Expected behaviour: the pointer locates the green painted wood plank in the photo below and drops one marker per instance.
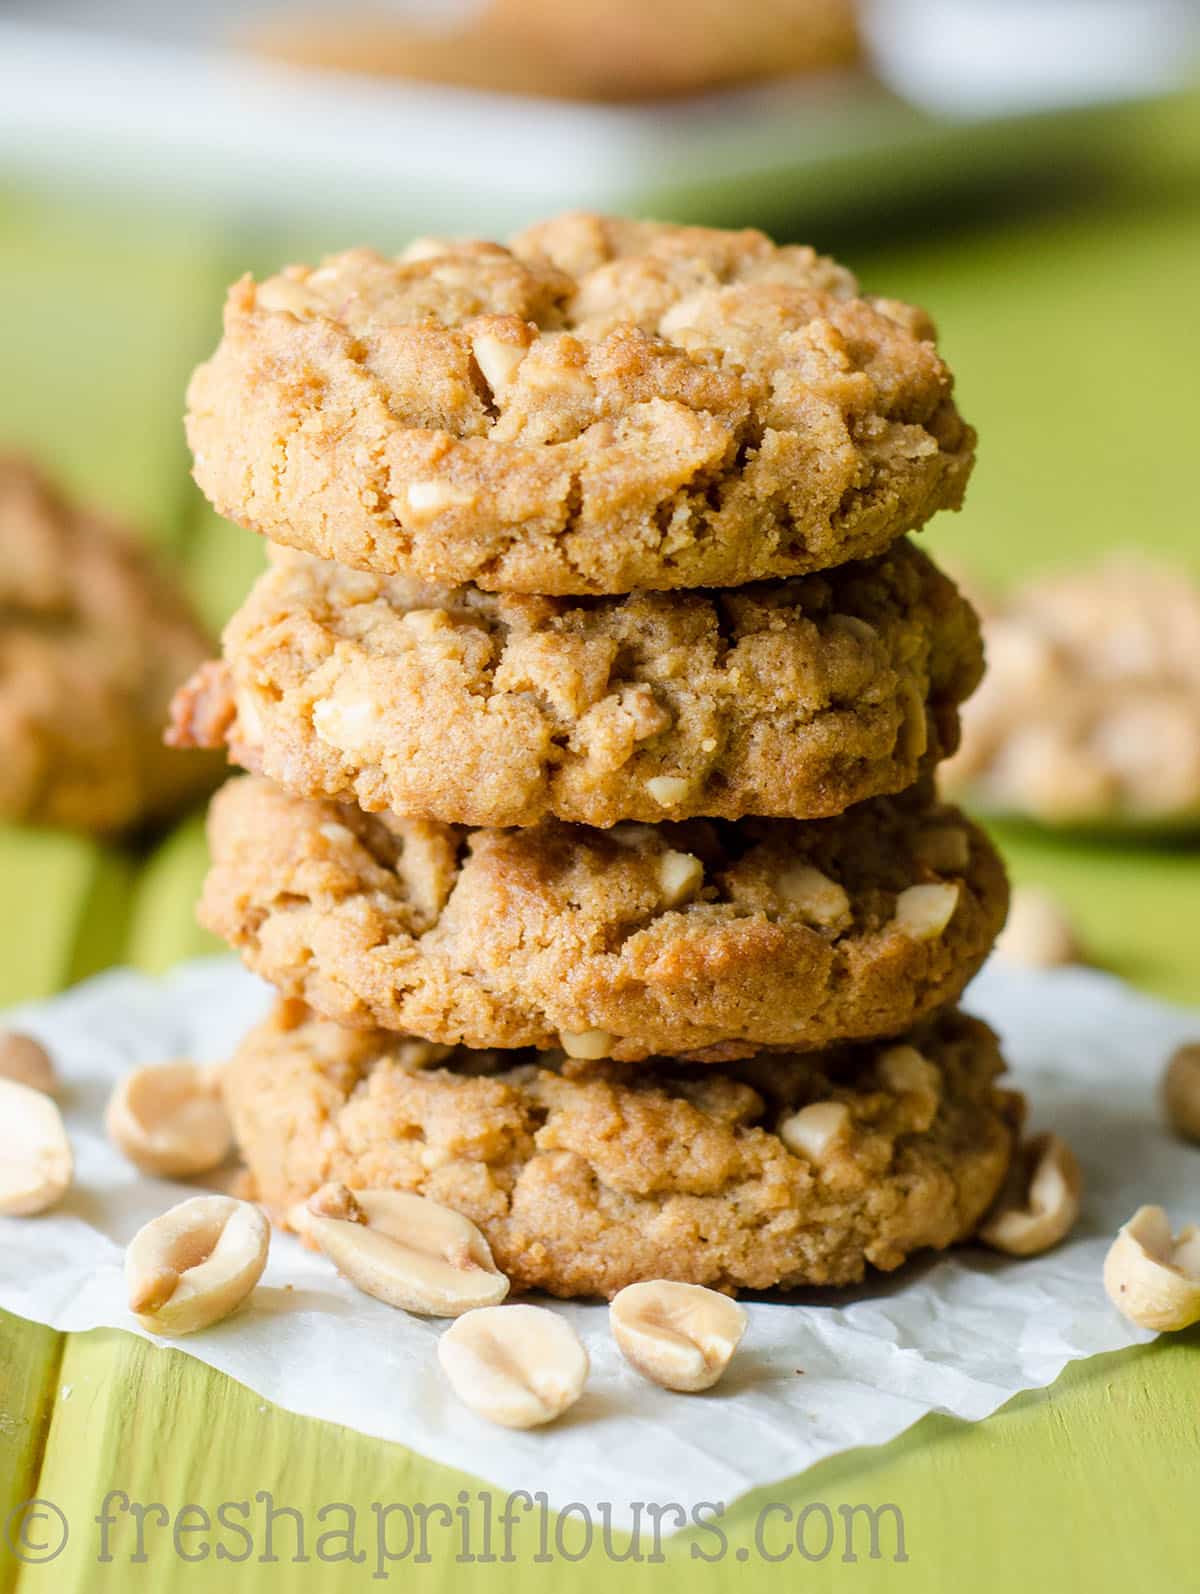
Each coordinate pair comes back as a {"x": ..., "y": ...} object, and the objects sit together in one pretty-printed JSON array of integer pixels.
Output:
[
  {"x": 162, "y": 925},
  {"x": 221, "y": 562},
  {"x": 1078, "y": 1487},
  {"x": 29, "y": 1360},
  {"x": 1029, "y": 1498},
  {"x": 107, "y": 310},
  {"x": 66, "y": 902},
  {"x": 1067, "y": 1488},
  {"x": 1076, "y": 342},
  {"x": 1129, "y": 902}
]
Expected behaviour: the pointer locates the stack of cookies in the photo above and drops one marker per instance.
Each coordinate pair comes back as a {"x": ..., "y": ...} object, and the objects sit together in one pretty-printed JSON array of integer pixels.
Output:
[{"x": 591, "y": 702}]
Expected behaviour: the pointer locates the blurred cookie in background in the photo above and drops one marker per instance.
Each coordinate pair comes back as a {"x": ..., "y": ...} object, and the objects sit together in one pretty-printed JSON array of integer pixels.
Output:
[
  {"x": 93, "y": 641},
  {"x": 578, "y": 50},
  {"x": 1089, "y": 713}
]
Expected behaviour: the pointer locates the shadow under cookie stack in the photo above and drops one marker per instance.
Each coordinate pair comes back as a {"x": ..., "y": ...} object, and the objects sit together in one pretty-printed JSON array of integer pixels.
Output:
[{"x": 591, "y": 701}]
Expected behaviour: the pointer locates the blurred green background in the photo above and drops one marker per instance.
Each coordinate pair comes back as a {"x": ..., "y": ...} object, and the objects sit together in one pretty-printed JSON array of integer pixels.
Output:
[
  {"x": 1066, "y": 305},
  {"x": 1066, "y": 301}
]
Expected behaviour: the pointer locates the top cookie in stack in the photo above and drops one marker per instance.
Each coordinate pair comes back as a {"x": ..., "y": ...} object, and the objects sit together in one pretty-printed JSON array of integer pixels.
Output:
[
  {"x": 603, "y": 407},
  {"x": 514, "y": 458}
]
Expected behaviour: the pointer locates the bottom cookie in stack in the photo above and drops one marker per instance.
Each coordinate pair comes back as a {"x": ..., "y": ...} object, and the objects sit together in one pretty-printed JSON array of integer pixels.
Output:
[{"x": 780, "y": 1171}]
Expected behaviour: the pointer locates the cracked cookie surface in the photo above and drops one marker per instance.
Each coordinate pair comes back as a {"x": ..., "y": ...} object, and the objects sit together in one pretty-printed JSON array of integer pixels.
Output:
[
  {"x": 779, "y": 1171},
  {"x": 793, "y": 699},
  {"x": 707, "y": 937},
  {"x": 93, "y": 643},
  {"x": 606, "y": 406}
]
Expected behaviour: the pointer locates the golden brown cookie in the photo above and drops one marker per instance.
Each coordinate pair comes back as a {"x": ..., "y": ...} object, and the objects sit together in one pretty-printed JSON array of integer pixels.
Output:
[
  {"x": 585, "y": 49},
  {"x": 92, "y": 644},
  {"x": 1090, "y": 711},
  {"x": 710, "y": 937},
  {"x": 584, "y": 1178},
  {"x": 609, "y": 405},
  {"x": 793, "y": 699}
]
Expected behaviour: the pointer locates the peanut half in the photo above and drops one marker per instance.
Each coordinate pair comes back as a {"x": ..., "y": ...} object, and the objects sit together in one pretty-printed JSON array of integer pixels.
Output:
[
  {"x": 196, "y": 1263},
  {"x": 1152, "y": 1276},
  {"x": 168, "y": 1120},
  {"x": 1181, "y": 1092},
  {"x": 27, "y": 1062},
  {"x": 1038, "y": 934},
  {"x": 518, "y": 1366},
  {"x": 681, "y": 1336},
  {"x": 35, "y": 1155},
  {"x": 1040, "y": 1201},
  {"x": 406, "y": 1250}
]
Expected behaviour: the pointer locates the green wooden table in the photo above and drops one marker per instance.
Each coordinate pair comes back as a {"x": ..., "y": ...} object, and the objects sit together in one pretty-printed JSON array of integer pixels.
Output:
[{"x": 1074, "y": 329}]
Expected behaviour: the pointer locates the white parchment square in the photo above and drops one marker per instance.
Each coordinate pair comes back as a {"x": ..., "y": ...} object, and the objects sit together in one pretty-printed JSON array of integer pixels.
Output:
[{"x": 959, "y": 1333}]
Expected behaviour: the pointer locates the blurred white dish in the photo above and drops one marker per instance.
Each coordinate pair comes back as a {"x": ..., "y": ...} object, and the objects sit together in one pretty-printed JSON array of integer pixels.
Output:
[
  {"x": 998, "y": 57},
  {"x": 199, "y": 126}
]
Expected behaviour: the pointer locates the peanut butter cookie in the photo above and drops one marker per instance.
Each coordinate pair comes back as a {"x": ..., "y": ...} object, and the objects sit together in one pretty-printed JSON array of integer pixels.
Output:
[
  {"x": 93, "y": 642},
  {"x": 607, "y": 405},
  {"x": 1090, "y": 710},
  {"x": 700, "y": 937},
  {"x": 793, "y": 699},
  {"x": 602, "y": 50},
  {"x": 584, "y": 1178}
]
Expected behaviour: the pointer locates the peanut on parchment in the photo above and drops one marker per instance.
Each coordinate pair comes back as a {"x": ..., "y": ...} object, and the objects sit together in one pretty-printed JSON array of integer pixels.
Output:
[
  {"x": 168, "y": 1120},
  {"x": 405, "y": 1249},
  {"x": 1153, "y": 1276},
  {"x": 26, "y": 1061},
  {"x": 518, "y": 1366},
  {"x": 35, "y": 1155},
  {"x": 681, "y": 1336},
  {"x": 196, "y": 1263},
  {"x": 1040, "y": 1201},
  {"x": 1181, "y": 1092}
]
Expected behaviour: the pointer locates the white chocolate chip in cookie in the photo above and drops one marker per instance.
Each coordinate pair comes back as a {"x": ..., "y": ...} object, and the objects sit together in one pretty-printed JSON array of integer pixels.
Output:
[
  {"x": 426, "y": 247},
  {"x": 815, "y": 1130},
  {"x": 289, "y": 294},
  {"x": 587, "y": 1045},
  {"x": 680, "y": 875},
  {"x": 498, "y": 358},
  {"x": 406, "y": 1250},
  {"x": 631, "y": 835},
  {"x": 668, "y": 790},
  {"x": 1039, "y": 1204},
  {"x": 681, "y": 1336},
  {"x": 427, "y": 499},
  {"x": 1152, "y": 1276},
  {"x": 36, "y": 1165},
  {"x": 196, "y": 1263},
  {"x": 819, "y": 899},
  {"x": 914, "y": 1081},
  {"x": 518, "y": 1366},
  {"x": 924, "y": 911},
  {"x": 904, "y": 1070},
  {"x": 168, "y": 1120},
  {"x": 851, "y": 625},
  {"x": 349, "y": 723},
  {"x": 249, "y": 719}
]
